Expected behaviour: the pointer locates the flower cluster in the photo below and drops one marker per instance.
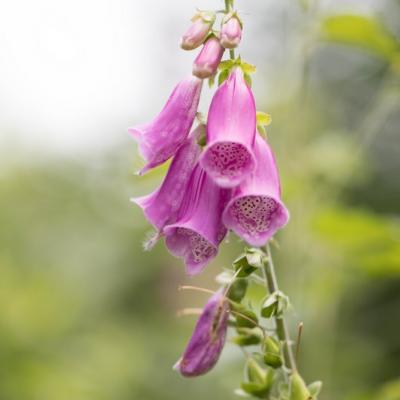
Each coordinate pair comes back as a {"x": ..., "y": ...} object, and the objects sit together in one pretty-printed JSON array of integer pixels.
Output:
[
  {"x": 222, "y": 177},
  {"x": 230, "y": 184}
]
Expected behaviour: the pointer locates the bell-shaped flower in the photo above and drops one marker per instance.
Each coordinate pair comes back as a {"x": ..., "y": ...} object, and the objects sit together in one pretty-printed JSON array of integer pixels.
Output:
[
  {"x": 256, "y": 211},
  {"x": 160, "y": 139},
  {"x": 228, "y": 157},
  {"x": 198, "y": 30},
  {"x": 208, "y": 338},
  {"x": 198, "y": 230},
  {"x": 206, "y": 63},
  {"x": 231, "y": 32},
  {"x": 161, "y": 206}
]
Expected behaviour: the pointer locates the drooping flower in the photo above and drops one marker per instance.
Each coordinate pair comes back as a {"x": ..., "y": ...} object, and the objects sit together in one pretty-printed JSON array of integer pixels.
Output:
[
  {"x": 161, "y": 206},
  {"x": 198, "y": 231},
  {"x": 207, "y": 61},
  {"x": 231, "y": 31},
  {"x": 198, "y": 30},
  {"x": 228, "y": 157},
  {"x": 160, "y": 139},
  {"x": 256, "y": 211},
  {"x": 208, "y": 339}
]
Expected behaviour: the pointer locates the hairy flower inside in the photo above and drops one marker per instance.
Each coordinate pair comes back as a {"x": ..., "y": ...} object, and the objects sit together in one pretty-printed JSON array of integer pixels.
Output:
[
  {"x": 254, "y": 213},
  {"x": 228, "y": 163}
]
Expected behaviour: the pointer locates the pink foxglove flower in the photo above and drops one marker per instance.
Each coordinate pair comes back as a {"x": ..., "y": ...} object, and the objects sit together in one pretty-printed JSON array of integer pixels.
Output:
[
  {"x": 256, "y": 211},
  {"x": 198, "y": 31},
  {"x": 160, "y": 139},
  {"x": 206, "y": 63},
  {"x": 161, "y": 206},
  {"x": 231, "y": 32},
  {"x": 228, "y": 157},
  {"x": 208, "y": 339},
  {"x": 198, "y": 231}
]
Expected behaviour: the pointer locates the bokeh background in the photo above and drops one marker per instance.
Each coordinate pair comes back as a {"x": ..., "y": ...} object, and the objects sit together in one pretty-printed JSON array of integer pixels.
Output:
[{"x": 85, "y": 313}]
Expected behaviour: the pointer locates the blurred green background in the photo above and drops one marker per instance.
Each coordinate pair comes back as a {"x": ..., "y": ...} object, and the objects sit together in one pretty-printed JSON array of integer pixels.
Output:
[{"x": 86, "y": 314}]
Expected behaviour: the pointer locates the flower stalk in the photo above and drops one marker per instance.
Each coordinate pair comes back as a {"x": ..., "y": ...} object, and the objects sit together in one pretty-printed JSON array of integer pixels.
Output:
[
  {"x": 282, "y": 330},
  {"x": 223, "y": 177}
]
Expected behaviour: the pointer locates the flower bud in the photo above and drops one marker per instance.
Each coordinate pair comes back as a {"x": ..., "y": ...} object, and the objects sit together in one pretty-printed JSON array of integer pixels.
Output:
[
  {"x": 198, "y": 31},
  {"x": 208, "y": 338},
  {"x": 231, "y": 32},
  {"x": 272, "y": 353},
  {"x": 206, "y": 63},
  {"x": 298, "y": 389}
]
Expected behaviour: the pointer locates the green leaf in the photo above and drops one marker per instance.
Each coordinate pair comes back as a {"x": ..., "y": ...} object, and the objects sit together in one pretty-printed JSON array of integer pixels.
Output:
[
  {"x": 263, "y": 118},
  {"x": 361, "y": 31},
  {"x": 275, "y": 305}
]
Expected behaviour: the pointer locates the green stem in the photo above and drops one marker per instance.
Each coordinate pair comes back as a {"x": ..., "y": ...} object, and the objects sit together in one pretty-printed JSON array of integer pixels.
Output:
[{"x": 281, "y": 326}]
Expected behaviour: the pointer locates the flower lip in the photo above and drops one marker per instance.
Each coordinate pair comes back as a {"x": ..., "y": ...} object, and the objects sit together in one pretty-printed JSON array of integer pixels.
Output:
[
  {"x": 198, "y": 229},
  {"x": 194, "y": 248},
  {"x": 255, "y": 217},
  {"x": 161, "y": 206},
  {"x": 228, "y": 162},
  {"x": 255, "y": 211}
]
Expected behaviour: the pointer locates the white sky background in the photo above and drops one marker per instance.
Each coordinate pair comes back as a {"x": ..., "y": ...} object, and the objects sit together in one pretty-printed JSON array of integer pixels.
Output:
[{"x": 75, "y": 74}]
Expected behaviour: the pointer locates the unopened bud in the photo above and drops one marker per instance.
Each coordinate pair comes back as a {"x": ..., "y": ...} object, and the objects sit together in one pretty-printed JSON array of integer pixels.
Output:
[
  {"x": 298, "y": 389},
  {"x": 206, "y": 63},
  {"x": 272, "y": 353},
  {"x": 231, "y": 32},
  {"x": 198, "y": 31}
]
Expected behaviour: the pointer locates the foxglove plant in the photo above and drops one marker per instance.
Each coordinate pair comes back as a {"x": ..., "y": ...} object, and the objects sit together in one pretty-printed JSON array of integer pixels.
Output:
[{"x": 223, "y": 176}]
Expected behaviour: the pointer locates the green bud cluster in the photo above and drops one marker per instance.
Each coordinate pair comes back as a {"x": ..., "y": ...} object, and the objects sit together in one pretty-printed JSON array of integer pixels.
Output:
[{"x": 268, "y": 374}]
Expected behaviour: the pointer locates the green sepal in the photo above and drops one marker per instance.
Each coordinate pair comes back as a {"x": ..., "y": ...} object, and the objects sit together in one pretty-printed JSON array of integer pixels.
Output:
[
  {"x": 238, "y": 289},
  {"x": 298, "y": 388},
  {"x": 247, "y": 78},
  {"x": 206, "y": 16},
  {"x": 263, "y": 118},
  {"x": 275, "y": 305},
  {"x": 248, "y": 68},
  {"x": 248, "y": 337},
  {"x": 249, "y": 261},
  {"x": 315, "y": 389},
  {"x": 262, "y": 131},
  {"x": 226, "y": 65},
  {"x": 223, "y": 76},
  {"x": 211, "y": 81}
]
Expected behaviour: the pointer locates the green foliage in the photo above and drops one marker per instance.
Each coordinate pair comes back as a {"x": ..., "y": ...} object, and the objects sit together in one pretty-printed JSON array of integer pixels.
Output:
[
  {"x": 368, "y": 241},
  {"x": 362, "y": 32}
]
